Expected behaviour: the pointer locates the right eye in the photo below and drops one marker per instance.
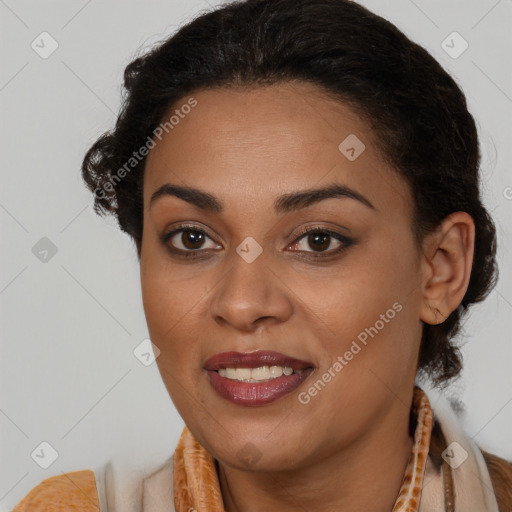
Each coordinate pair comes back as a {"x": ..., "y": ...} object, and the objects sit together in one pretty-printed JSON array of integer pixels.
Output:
[{"x": 188, "y": 239}]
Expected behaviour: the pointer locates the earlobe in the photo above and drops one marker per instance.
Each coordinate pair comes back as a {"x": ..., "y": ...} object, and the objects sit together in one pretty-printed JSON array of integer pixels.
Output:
[
  {"x": 447, "y": 262},
  {"x": 435, "y": 317}
]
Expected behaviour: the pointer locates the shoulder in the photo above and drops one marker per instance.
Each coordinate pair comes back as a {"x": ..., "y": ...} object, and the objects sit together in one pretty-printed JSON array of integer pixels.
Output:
[
  {"x": 76, "y": 489},
  {"x": 500, "y": 471},
  {"x": 480, "y": 481},
  {"x": 112, "y": 487}
]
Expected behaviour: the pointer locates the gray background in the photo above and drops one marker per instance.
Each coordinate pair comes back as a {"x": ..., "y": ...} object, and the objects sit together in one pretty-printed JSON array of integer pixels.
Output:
[{"x": 70, "y": 324}]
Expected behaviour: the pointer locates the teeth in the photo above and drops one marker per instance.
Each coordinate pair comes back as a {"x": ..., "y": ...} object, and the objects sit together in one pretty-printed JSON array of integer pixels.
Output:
[
  {"x": 263, "y": 373},
  {"x": 276, "y": 371},
  {"x": 260, "y": 373},
  {"x": 230, "y": 373},
  {"x": 243, "y": 373}
]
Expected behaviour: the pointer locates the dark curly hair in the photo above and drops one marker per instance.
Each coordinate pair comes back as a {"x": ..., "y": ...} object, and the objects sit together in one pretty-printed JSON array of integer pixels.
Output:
[{"x": 416, "y": 110}]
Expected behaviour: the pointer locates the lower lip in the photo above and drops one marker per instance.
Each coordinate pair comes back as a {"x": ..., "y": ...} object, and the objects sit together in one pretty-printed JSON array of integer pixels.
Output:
[{"x": 256, "y": 393}]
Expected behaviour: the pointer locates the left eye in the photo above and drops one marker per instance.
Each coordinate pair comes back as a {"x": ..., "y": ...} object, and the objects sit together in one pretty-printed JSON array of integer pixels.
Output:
[{"x": 320, "y": 241}]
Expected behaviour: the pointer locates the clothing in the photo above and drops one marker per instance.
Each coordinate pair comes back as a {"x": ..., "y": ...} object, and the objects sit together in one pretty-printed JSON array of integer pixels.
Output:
[{"x": 189, "y": 481}]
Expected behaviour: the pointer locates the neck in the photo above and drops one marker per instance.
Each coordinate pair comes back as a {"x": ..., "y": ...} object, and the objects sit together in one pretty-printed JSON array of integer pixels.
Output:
[{"x": 366, "y": 475}]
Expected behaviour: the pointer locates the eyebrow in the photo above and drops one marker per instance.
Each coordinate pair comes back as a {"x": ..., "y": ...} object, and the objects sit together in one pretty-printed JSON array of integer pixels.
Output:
[{"x": 283, "y": 204}]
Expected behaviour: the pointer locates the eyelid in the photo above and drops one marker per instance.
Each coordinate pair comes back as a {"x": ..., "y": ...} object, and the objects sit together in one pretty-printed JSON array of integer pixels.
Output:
[{"x": 317, "y": 228}]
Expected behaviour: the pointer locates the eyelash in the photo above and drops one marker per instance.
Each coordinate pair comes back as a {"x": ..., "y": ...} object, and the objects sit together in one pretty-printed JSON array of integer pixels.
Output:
[{"x": 345, "y": 241}]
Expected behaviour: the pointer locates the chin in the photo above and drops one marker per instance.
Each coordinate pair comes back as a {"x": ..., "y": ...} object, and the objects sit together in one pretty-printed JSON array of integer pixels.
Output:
[
  {"x": 251, "y": 448},
  {"x": 250, "y": 457}
]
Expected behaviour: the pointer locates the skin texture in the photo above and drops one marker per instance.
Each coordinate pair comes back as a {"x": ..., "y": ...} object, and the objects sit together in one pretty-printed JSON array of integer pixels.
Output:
[{"x": 348, "y": 447}]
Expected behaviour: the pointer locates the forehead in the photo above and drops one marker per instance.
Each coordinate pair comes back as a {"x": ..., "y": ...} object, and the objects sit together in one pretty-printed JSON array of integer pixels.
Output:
[{"x": 265, "y": 141}]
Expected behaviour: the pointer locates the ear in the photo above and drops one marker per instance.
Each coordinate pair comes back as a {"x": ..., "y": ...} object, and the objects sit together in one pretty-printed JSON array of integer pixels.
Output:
[{"x": 447, "y": 261}]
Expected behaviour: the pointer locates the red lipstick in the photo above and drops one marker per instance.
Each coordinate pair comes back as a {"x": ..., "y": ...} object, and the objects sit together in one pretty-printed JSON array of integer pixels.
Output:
[{"x": 271, "y": 382}]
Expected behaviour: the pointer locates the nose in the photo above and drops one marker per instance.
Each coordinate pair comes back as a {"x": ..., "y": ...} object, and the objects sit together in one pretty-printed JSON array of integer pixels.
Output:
[{"x": 250, "y": 296}]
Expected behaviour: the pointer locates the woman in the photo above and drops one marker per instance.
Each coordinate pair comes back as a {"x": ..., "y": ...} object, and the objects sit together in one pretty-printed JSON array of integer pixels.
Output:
[{"x": 301, "y": 184}]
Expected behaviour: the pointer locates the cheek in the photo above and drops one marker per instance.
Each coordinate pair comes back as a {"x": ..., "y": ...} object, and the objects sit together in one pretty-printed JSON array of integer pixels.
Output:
[
  {"x": 371, "y": 307},
  {"x": 171, "y": 306},
  {"x": 174, "y": 316}
]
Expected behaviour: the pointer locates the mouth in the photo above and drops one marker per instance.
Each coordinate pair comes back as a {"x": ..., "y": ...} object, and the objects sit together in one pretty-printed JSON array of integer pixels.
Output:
[{"x": 255, "y": 378}]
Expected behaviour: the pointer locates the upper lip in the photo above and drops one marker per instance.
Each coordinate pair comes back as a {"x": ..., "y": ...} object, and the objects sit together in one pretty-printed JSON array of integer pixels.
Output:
[{"x": 253, "y": 360}]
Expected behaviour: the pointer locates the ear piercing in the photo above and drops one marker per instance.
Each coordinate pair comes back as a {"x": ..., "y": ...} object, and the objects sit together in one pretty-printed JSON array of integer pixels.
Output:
[{"x": 437, "y": 312}]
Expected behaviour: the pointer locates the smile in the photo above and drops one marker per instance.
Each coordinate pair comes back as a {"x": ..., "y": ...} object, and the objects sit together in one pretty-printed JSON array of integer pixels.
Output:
[
  {"x": 260, "y": 374},
  {"x": 255, "y": 378}
]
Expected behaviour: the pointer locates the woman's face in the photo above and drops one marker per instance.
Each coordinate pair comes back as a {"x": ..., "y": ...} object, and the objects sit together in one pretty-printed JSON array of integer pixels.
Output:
[{"x": 338, "y": 306}]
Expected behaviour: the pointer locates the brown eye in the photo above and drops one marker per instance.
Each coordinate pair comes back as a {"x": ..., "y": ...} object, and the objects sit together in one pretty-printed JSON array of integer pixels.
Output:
[
  {"x": 192, "y": 239},
  {"x": 319, "y": 241},
  {"x": 189, "y": 240}
]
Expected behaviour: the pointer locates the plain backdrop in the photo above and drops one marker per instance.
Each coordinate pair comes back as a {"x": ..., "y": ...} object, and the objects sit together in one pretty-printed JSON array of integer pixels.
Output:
[{"x": 71, "y": 313}]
